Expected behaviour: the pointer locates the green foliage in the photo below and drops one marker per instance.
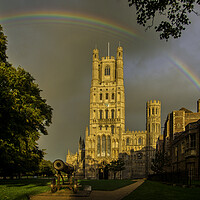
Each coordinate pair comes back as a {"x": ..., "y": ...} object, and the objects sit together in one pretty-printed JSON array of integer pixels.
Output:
[
  {"x": 3, "y": 46},
  {"x": 21, "y": 189},
  {"x": 46, "y": 168},
  {"x": 24, "y": 115},
  {"x": 155, "y": 191},
  {"x": 116, "y": 166},
  {"x": 174, "y": 14},
  {"x": 106, "y": 185},
  {"x": 159, "y": 162}
]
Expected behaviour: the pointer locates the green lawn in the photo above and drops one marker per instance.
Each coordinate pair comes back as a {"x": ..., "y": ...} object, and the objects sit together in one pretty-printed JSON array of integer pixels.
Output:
[
  {"x": 106, "y": 184},
  {"x": 21, "y": 189},
  {"x": 151, "y": 190}
]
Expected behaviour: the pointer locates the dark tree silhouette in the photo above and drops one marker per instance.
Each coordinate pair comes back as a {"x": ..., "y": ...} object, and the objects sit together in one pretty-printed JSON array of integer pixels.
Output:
[
  {"x": 24, "y": 115},
  {"x": 174, "y": 15}
]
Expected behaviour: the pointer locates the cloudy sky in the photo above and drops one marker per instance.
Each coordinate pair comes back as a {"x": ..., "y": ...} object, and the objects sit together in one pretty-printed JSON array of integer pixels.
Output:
[{"x": 54, "y": 39}]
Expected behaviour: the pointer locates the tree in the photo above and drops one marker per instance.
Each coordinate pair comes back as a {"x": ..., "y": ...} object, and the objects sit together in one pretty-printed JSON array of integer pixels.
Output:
[
  {"x": 24, "y": 115},
  {"x": 174, "y": 15},
  {"x": 46, "y": 168},
  {"x": 159, "y": 162},
  {"x": 3, "y": 46},
  {"x": 116, "y": 166}
]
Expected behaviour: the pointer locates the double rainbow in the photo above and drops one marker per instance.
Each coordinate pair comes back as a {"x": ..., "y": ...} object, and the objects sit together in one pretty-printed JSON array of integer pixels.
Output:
[
  {"x": 182, "y": 67},
  {"x": 92, "y": 22}
]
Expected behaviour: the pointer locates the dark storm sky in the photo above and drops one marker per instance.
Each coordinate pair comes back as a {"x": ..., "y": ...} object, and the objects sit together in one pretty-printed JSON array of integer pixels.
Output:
[{"x": 59, "y": 56}]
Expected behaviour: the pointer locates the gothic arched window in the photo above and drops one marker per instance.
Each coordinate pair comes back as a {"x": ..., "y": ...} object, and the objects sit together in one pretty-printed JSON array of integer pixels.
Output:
[
  {"x": 100, "y": 97},
  {"x": 98, "y": 146},
  {"x": 140, "y": 141},
  {"x": 113, "y": 95},
  {"x": 112, "y": 129},
  {"x": 103, "y": 145},
  {"x": 101, "y": 114},
  {"x": 127, "y": 141},
  {"x": 112, "y": 113},
  {"x": 108, "y": 145},
  {"x": 106, "y": 114},
  {"x": 107, "y": 70}
]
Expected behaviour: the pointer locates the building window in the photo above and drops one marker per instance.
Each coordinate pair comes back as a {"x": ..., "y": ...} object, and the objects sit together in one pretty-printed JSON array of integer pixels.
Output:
[
  {"x": 182, "y": 147},
  {"x": 140, "y": 141},
  {"x": 106, "y": 95},
  {"x": 187, "y": 142},
  {"x": 107, "y": 70},
  {"x": 106, "y": 127},
  {"x": 113, "y": 95},
  {"x": 112, "y": 129},
  {"x": 100, "y": 127},
  {"x": 152, "y": 111},
  {"x": 108, "y": 145},
  {"x": 127, "y": 141},
  {"x": 103, "y": 145},
  {"x": 112, "y": 113},
  {"x": 193, "y": 141},
  {"x": 101, "y": 114},
  {"x": 100, "y": 97},
  {"x": 106, "y": 114},
  {"x": 98, "y": 146}
]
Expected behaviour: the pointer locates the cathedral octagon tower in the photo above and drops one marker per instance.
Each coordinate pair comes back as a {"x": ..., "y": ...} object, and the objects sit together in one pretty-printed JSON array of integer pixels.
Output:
[{"x": 107, "y": 108}]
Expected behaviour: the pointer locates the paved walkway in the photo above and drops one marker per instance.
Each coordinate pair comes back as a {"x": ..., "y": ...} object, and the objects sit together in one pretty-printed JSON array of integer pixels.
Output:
[{"x": 95, "y": 195}]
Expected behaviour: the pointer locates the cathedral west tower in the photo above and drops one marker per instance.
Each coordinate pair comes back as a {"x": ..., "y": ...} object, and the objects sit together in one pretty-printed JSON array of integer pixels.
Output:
[{"x": 107, "y": 107}]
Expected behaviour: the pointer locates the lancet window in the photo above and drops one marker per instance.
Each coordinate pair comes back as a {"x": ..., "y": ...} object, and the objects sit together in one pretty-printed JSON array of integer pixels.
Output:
[{"x": 107, "y": 70}]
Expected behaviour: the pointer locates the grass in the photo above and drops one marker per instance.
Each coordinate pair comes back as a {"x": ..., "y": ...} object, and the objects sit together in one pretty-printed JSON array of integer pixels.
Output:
[
  {"x": 21, "y": 189},
  {"x": 151, "y": 190},
  {"x": 106, "y": 185}
]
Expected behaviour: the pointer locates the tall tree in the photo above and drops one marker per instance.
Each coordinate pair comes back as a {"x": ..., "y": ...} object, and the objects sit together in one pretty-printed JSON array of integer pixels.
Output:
[
  {"x": 159, "y": 162},
  {"x": 3, "y": 47},
  {"x": 24, "y": 115},
  {"x": 116, "y": 166},
  {"x": 174, "y": 15}
]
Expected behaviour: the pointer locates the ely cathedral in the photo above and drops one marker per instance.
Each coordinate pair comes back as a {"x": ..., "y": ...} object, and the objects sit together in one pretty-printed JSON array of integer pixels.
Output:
[{"x": 106, "y": 139}]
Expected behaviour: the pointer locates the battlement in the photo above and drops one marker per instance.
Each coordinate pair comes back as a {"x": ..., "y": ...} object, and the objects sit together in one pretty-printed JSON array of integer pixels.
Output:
[
  {"x": 108, "y": 58},
  {"x": 135, "y": 132},
  {"x": 153, "y": 102}
]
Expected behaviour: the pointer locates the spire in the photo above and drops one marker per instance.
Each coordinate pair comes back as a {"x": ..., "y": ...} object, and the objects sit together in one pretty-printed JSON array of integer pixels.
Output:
[
  {"x": 119, "y": 44},
  {"x": 108, "y": 49},
  {"x": 68, "y": 153}
]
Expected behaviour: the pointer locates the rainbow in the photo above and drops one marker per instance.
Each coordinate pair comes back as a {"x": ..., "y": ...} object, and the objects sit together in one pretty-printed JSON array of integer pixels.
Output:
[
  {"x": 186, "y": 71},
  {"x": 92, "y": 22}
]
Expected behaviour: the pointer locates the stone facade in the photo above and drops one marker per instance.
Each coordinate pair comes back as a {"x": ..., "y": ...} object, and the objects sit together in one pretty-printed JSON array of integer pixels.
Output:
[
  {"x": 181, "y": 140},
  {"x": 185, "y": 150},
  {"x": 106, "y": 139}
]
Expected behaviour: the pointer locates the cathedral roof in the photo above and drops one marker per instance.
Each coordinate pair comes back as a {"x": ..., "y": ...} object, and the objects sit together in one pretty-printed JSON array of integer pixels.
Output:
[{"x": 186, "y": 110}]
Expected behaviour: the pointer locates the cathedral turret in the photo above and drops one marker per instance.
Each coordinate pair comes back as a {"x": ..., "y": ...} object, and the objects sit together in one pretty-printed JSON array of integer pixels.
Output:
[
  {"x": 198, "y": 106},
  {"x": 95, "y": 64},
  {"x": 119, "y": 70},
  {"x": 153, "y": 121}
]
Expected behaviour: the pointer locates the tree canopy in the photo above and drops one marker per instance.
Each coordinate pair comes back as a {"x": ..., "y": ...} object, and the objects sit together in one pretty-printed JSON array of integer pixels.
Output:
[
  {"x": 174, "y": 15},
  {"x": 24, "y": 115},
  {"x": 116, "y": 166}
]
